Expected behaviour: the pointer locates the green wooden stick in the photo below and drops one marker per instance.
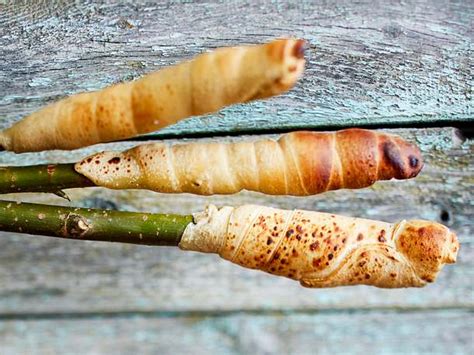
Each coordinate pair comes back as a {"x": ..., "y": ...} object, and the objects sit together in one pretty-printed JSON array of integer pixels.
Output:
[
  {"x": 40, "y": 178},
  {"x": 92, "y": 224}
]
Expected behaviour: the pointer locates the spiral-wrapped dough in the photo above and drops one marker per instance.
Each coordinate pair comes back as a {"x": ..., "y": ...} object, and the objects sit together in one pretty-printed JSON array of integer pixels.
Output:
[
  {"x": 299, "y": 163},
  {"x": 322, "y": 249},
  {"x": 205, "y": 84}
]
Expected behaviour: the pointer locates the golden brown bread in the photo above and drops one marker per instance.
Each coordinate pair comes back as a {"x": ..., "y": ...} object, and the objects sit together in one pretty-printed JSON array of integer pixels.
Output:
[
  {"x": 324, "y": 250},
  {"x": 298, "y": 163},
  {"x": 205, "y": 84}
]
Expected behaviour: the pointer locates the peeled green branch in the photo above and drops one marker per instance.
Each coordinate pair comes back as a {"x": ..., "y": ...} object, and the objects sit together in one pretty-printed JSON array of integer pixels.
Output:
[
  {"x": 40, "y": 178},
  {"x": 92, "y": 224}
]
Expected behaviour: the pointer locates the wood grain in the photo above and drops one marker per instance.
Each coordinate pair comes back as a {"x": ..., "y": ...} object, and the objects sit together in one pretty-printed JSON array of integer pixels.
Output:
[
  {"x": 46, "y": 275},
  {"x": 431, "y": 332},
  {"x": 368, "y": 63}
]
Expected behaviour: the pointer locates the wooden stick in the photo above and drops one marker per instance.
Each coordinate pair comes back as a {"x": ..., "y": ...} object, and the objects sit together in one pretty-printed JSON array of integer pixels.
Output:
[
  {"x": 93, "y": 224},
  {"x": 40, "y": 178}
]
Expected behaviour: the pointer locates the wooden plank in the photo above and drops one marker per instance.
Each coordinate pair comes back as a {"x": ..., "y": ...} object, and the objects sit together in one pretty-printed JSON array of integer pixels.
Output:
[
  {"x": 46, "y": 275},
  {"x": 368, "y": 63},
  {"x": 439, "y": 332}
]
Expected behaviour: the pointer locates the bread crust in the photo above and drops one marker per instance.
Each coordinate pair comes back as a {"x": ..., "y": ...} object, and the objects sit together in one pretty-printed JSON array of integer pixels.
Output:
[
  {"x": 298, "y": 163},
  {"x": 322, "y": 249},
  {"x": 206, "y": 84}
]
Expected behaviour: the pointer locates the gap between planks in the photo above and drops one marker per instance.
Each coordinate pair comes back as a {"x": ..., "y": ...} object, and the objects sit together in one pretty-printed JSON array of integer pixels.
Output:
[
  {"x": 464, "y": 128},
  {"x": 228, "y": 313}
]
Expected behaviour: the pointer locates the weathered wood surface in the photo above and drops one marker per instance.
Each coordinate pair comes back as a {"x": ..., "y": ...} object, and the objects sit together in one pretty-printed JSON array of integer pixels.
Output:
[
  {"x": 368, "y": 62},
  {"x": 432, "y": 332},
  {"x": 44, "y": 275}
]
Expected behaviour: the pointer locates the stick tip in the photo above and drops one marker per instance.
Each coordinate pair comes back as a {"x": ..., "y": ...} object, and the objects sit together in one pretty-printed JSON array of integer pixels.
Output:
[
  {"x": 299, "y": 49},
  {"x": 62, "y": 194}
]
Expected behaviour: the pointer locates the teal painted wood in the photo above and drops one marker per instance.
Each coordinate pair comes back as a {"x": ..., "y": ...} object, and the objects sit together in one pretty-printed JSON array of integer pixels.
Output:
[
  {"x": 431, "y": 332},
  {"x": 40, "y": 274},
  {"x": 368, "y": 63}
]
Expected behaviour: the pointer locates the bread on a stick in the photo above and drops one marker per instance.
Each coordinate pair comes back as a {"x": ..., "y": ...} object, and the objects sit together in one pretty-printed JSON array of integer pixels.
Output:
[
  {"x": 324, "y": 250},
  {"x": 298, "y": 163},
  {"x": 205, "y": 84}
]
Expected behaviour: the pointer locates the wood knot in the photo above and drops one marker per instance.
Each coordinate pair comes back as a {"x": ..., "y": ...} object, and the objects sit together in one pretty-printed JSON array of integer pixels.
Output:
[
  {"x": 75, "y": 226},
  {"x": 50, "y": 169}
]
